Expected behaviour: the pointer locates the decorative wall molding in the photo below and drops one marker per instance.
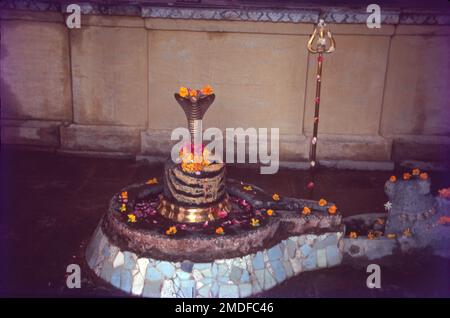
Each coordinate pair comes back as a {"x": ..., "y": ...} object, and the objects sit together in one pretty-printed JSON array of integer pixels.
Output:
[{"x": 340, "y": 15}]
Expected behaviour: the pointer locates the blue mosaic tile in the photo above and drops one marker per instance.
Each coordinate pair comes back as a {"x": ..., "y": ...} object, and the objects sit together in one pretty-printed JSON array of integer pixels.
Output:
[
  {"x": 259, "y": 274},
  {"x": 166, "y": 268},
  {"x": 291, "y": 248},
  {"x": 245, "y": 290},
  {"x": 305, "y": 249},
  {"x": 202, "y": 266},
  {"x": 126, "y": 281},
  {"x": 187, "y": 288},
  {"x": 235, "y": 274},
  {"x": 105, "y": 251},
  {"x": 245, "y": 278},
  {"x": 152, "y": 288},
  {"x": 288, "y": 269},
  {"x": 214, "y": 289},
  {"x": 106, "y": 271},
  {"x": 278, "y": 270},
  {"x": 187, "y": 266},
  {"x": 115, "y": 278},
  {"x": 207, "y": 280},
  {"x": 331, "y": 239},
  {"x": 258, "y": 261},
  {"x": 310, "y": 262},
  {"x": 153, "y": 274},
  {"x": 275, "y": 253},
  {"x": 269, "y": 281},
  {"x": 183, "y": 275},
  {"x": 214, "y": 270},
  {"x": 223, "y": 269},
  {"x": 334, "y": 256},
  {"x": 129, "y": 261},
  {"x": 204, "y": 291},
  {"x": 228, "y": 291}
]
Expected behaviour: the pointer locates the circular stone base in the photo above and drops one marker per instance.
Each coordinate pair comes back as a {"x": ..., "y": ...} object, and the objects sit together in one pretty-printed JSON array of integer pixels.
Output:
[
  {"x": 141, "y": 259},
  {"x": 235, "y": 277}
]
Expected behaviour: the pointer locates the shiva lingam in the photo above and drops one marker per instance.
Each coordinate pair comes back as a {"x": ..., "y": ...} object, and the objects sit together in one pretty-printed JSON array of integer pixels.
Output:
[
  {"x": 200, "y": 235},
  {"x": 194, "y": 191}
]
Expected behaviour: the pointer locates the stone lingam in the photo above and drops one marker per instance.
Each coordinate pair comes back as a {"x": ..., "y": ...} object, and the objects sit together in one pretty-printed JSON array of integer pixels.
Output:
[{"x": 199, "y": 234}]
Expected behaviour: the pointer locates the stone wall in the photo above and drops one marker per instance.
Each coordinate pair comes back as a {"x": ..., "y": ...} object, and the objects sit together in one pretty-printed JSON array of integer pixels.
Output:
[{"x": 107, "y": 88}]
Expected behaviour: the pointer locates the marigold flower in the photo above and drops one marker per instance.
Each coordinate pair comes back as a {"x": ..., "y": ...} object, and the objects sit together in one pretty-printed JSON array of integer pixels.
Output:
[
  {"x": 444, "y": 193},
  {"x": 276, "y": 197},
  {"x": 269, "y": 212},
  {"x": 353, "y": 235},
  {"x": 254, "y": 222},
  {"x": 152, "y": 181},
  {"x": 220, "y": 231},
  {"x": 123, "y": 207},
  {"x": 193, "y": 92},
  {"x": 132, "y": 218},
  {"x": 415, "y": 172},
  {"x": 248, "y": 188},
  {"x": 322, "y": 202},
  {"x": 184, "y": 92},
  {"x": 392, "y": 178},
  {"x": 444, "y": 219},
  {"x": 332, "y": 209},
  {"x": 171, "y": 230},
  {"x": 423, "y": 176},
  {"x": 207, "y": 90},
  {"x": 306, "y": 210},
  {"x": 406, "y": 176}
]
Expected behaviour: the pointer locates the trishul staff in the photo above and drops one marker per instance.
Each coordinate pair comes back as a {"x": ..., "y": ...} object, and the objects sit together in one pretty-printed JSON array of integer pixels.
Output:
[{"x": 318, "y": 44}]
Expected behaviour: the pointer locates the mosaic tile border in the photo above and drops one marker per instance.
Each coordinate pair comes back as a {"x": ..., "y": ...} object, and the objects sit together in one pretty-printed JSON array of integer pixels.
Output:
[{"x": 225, "y": 278}]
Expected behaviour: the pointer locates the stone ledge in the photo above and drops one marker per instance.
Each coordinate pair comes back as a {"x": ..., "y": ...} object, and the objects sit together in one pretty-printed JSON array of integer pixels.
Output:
[
  {"x": 422, "y": 148},
  {"x": 353, "y": 147},
  {"x": 30, "y": 132},
  {"x": 305, "y": 13},
  {"x": 119, "y": 139}
]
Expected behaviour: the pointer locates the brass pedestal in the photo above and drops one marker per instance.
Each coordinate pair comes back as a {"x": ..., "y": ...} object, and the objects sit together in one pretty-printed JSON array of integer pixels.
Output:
[{"x": 185, "y": 214}]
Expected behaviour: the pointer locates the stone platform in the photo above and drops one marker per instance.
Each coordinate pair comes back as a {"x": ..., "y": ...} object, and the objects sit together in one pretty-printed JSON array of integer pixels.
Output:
[{"x": 141, "y": 259}]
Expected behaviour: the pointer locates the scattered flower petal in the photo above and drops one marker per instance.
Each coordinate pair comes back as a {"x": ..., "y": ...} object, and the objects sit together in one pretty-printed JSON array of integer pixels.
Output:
[
  {"x": 306, "y": 210},
  {"x": 322, "y": 202}
]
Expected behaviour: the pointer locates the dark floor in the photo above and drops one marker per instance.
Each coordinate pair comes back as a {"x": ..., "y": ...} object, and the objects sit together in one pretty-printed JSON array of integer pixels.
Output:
[{"x": 51, "y": 204}]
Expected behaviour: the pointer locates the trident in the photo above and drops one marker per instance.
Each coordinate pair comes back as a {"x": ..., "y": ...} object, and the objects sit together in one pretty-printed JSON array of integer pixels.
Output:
[{"x": 317, "y": 44}]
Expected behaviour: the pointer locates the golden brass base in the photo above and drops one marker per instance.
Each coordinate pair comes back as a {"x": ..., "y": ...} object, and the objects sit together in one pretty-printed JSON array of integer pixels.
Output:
[{"x": 182, "y": 214}]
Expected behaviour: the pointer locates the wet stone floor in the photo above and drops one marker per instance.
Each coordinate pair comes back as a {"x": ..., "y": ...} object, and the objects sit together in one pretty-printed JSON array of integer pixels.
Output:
[{"x": 51, "y": 204}]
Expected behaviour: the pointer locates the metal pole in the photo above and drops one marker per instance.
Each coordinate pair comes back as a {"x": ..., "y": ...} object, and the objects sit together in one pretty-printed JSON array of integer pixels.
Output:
[{"x": 317, "y": 44}]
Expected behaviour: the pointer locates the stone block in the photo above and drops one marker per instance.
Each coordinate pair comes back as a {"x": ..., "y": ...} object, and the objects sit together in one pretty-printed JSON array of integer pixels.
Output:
[
  {"x": 109, "y": 75},
  {"x": 424, "y": 148},
  {"x": 30, "y": 132},
  {"x": 352, "y": 86},
  {"x": 35, "y": 76},
  {"x": 245, "y": 72},
  {"x": 416, "y": 93},
  {"x": 100, "y": 138}
]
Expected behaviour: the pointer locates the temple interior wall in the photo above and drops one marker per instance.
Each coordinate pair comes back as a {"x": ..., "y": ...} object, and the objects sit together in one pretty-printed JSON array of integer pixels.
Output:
[{"x": 107, "y": 88}]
